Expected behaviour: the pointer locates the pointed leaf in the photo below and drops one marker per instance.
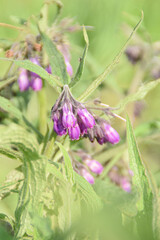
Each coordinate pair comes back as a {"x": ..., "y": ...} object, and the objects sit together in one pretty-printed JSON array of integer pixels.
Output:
[
  {"x": 148, "y": 201},
  {"x": 79, "y": 72},
  {"x": 55, "y": 58}
]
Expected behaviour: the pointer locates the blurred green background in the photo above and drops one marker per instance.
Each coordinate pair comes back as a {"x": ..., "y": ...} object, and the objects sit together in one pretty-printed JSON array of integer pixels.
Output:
[{"x": 106, "y": 39}]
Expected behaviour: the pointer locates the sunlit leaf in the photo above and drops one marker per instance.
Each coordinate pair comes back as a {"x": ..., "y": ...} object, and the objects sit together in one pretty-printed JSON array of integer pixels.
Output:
[
  {"x": 148, "y": 201},
  {"x": 56, "y": 59},
  {"x": 79, "y": 72}
]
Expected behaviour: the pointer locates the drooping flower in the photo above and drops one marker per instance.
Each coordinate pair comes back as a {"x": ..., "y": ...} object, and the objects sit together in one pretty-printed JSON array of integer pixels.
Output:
[
  {"x": 87, "y": 176},
  {"x": 36, "y": 84},
  {"x": 74, "y": 132},
  {"x": 23, "y": 80},
  {"x": 72, "y": 115},
  {"x": 94, "y": 166},
  {"x": 102, "y": 132},
  {"x": 28, "y": 79},
  {"x": 125, "y": 184}
]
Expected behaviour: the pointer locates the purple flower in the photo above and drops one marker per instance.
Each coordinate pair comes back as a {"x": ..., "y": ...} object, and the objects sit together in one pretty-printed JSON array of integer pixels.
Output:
[
  {"x": 125, "y": 184},
  {"x": 68, "y": 120},
  {"x": 35, "y": 61},
  {"x": 58, "y": 126},
  {"x": 69, "y": 68},
  {"x": 111, "y": 135},
  {"x": 86, "y": 118},
  {"x": 48, "y": 69},
  {"x": 36, "y": 84},
  {"x": 87, "y": 176},
  {"x": 74, "y": 132},
  {"x": 94, "y": 166},
  {"x": 23, "y": 80}
]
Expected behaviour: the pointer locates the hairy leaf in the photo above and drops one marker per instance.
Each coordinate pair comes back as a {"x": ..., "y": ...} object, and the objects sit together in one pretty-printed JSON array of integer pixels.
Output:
[
  {"x": 147, "y": 204},
  {"x": 55, "y": 58},
  {"x": 34, "y": 170},
  {"x": 79, "y": 72},
  {"x": 7, "y": 106}
]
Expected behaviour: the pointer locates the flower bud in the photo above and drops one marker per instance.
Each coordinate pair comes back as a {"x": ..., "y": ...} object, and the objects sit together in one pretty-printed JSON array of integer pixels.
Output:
[
  {"x": 74, "y": 132},
  {"x": 35, "y": 61},
  {"x": 94, "y": 166},
  {"x": 68, "y": 120},
  {"x": 111, "y": 134},
  {"x": 58, "y": 126},
  {"x": 134, "y": 53},
  {"x": 23, "y": 80},
  {"x": 36, "y": 84},
  {"x": 86, "y": 117},
  {"x": 87, "y": 176},
  {"x": 69, "y": 68},
  {"x": 125, "y": 184}
]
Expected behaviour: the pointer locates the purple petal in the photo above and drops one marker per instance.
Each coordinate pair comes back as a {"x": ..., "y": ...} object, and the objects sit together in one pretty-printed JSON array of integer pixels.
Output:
[
  {"x": 23, "y": 80},
  {"x": 68, "y": 119},
  {"x": 111, "y": 134},
  {"x": 94, "y": 166},
  {"x": 74, "y": 132},
  {"x": 87, "y": 176},
  {"x": 86, "y": 117},
  {"x": 36, "y": 84}
]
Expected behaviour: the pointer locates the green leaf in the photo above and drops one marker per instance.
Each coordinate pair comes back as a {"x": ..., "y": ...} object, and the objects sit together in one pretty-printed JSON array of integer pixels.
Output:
[
  {"x": 114, "y": 195},
  {"x": 6, "y": 82},
  {"x": 68, "y": 164},
  {"x": 4, "y": 234},
  {"x": 139, "y": 95},
  {"x": 34, "y": 170},
  {"x": 7, "y": 106},
  {"x": 94, "y": 85},
  {"x": 79, "y": 72},
  {"x": 147, "y": 204},
  {"x": 36, "y": 69},
  {"x": 55, "y": 58},
  {"x": 9, "y": 153},
  {"x": 87, "y": 192}
]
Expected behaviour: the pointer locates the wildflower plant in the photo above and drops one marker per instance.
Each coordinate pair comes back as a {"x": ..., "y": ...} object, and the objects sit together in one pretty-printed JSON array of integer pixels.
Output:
[{"x": 65, "y": 189}]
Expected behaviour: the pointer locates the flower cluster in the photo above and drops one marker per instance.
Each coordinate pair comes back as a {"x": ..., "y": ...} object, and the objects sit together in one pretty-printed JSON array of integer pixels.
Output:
[
  {"x": 103, "y": 132},
  {"x": 87, "y": 166},
  {"x": 73, "y": 117},
  {"x": 28, "y": 79}
]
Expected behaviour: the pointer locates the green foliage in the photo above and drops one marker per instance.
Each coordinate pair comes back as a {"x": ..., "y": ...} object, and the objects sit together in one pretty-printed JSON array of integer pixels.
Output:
[
  {"x": 54, "y": 200},
  {"x": 79, "y": 72},
  {"x": 55, "y": 58},
  {"x": 148, "y": 199}
]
